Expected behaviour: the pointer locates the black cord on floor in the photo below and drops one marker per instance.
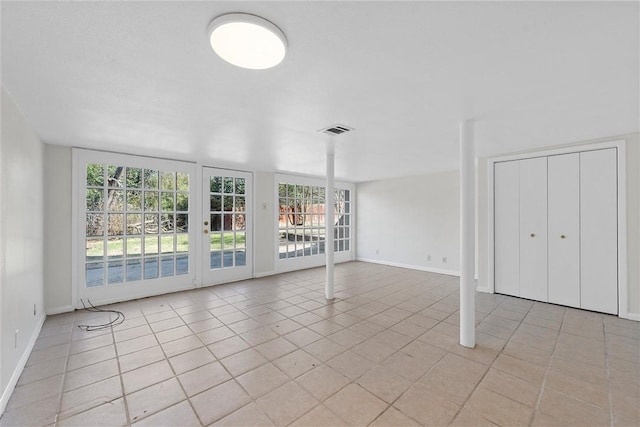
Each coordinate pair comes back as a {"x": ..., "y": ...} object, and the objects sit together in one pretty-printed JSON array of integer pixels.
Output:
[{"x": 92, "y": 308}]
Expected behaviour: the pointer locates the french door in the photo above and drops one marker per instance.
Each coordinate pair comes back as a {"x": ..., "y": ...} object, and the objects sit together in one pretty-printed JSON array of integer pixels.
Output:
[
  {"x": 226, "y": 225},
  {"x": 133, "y": 236}
]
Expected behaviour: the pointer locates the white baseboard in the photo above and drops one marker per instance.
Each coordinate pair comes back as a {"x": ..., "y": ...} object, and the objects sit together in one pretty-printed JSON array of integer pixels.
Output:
[
  {"x": 630, "y": 316},
  {"x": 410, "y": 266},
  {"x": 8, "y": 391},
  {"x": 265, "y": 274},
  {"x": 59, "y": 310}
]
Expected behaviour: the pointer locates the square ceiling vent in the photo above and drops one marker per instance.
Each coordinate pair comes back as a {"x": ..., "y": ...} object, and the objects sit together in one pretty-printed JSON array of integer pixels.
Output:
[{"x": 336, "y": 130}]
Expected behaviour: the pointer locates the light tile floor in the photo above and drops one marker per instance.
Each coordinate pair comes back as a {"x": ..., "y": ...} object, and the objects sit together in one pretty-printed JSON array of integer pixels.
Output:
[{"x": 271, "y": 351}]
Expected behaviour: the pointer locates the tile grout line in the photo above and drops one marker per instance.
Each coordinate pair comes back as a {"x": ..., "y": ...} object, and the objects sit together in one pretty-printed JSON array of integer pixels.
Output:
[
  {"x": 124, "y": 395},
  {"x": 492, "y": 363},
  {"x": 536, "y": 408}
]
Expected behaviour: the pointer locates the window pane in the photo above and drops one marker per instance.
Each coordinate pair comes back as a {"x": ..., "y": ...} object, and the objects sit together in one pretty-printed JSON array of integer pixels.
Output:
[
  {"x": 95, "y": 175},
  {"x": 150, "y": 201},
  {"x": 166, "y": 244},
  {"x": 167, "y": 201},
  {"x": 134, "y": 270},
  {"x": 134, "y": 178},
  {"x": 216, "y": 222},
  {"x": 134, "y": 223},
  {"x": 150, "y": 268},
  {"x": 228, "y": 222},
  {"x": 228, "y": 185},
  {"x": 151, "y": 245},
  {"x": 167, "y": 223},
  {"x": 228, "y": 203},
  {"x": 228, "y": 240},
  {"x": 134, "y": 201},
  {"x": 182, "y": 181},
  {"x": 150, "y": 179},
  {"x": 182, "y": 243},
  {"x": 182, "y": 202},
  {"x": 182, "y": 223},
  {"x": 168, "y": 181},
  {"x": 134, "y": 246},
  {"x": 114, "y": 176},
  {"x": 115, "y": 226},
  {"x": 115, "y": 248},
  {"x": 241, "y": 240},
  {"x": 216, "y": 184},
  {"x": 182, "y": 264},
  {"x": 240, "y": 183},
  {"x": 241, "y": 258},
  {"x": 216, "y": 203},
  {"x": 94, "y": 249},
  {"x": 95, "y": 199},
  {"x": 115, "y": 272},
  {"x": 115, "y": 200},
  {"x": 166, "y": 266},
  {"x": 151, "y": 223},
  {"x": 239, "y": 222},
  {"x": 227, "y": 259},
  {"x": 240, "y": 204},
  {"x": 94, "y": 274},
  {"x": 95, "y": 225}
]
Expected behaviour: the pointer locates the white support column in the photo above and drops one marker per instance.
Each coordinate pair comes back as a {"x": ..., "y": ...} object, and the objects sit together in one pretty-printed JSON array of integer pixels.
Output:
[
  {"x": 467, "y": 236},
  {"x": 329, "y": 217}
]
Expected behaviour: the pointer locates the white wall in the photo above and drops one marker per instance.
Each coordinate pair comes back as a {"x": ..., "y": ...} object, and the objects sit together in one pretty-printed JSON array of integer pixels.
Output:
[
  {"x": 57, "y": 229},
  {"x": 21, "y": 243},
  {"x": 403, "y": 221},
  {"x": 264, "y": 225}
]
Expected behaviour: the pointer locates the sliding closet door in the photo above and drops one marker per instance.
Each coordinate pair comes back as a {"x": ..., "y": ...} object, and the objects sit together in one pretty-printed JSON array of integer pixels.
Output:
[
  {"x": 507, "y": 227},
  {"x": 533, "y": 228},
  {"x": 598, "y": 228},
  {"x": 564, "y": 229}
]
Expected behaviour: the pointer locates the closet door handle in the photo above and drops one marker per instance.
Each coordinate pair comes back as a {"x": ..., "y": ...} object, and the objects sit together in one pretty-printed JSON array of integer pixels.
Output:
[
  {"x": 533, "y": 235},
  {"x": 562, "y": 236}
]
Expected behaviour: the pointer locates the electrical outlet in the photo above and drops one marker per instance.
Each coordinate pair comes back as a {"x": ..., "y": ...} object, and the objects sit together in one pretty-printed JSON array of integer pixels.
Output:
[
  {"x": 15, "y": 339},
  {"x": 428, "y": 257},
  {"x": 34, "y": 309},
  {"x": 377, "y": 251},
  {"x": 444, "y": 259}
]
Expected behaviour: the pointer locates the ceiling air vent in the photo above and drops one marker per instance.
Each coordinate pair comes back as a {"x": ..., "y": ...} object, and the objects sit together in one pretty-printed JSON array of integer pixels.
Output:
[{"x": 336, "y": 130}]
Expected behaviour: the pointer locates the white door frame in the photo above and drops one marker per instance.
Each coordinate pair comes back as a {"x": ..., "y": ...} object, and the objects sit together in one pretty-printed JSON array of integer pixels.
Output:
[{"x": 622, "y": 213}]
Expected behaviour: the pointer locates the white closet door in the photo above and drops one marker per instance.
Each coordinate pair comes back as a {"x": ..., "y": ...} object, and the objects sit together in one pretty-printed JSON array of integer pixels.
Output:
[
  {"x": 533, "y": 228},
  {"x": 598, "y": 229},
  {"x": 564, "y": 229},
  {"x": 507, "y": 228}
]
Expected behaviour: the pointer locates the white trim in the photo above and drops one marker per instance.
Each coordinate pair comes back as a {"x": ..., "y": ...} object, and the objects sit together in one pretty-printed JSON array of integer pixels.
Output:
[
  {"x": 410, "y": 266},
  {"x": 13, "y": 381},
  {"x": 265, "y": 274},
  {"x": 619, "y": 144},
  {"x": 60, "y": 309}
]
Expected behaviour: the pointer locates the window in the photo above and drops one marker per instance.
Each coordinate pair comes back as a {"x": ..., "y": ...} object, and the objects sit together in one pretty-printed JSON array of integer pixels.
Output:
[
  {"x": 137, "y": 223},
  {"x": 301, "y": 220}
]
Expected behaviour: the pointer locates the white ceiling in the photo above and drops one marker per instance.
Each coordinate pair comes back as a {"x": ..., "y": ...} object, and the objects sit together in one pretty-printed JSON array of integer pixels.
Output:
[{"x": 140, "y": 77}]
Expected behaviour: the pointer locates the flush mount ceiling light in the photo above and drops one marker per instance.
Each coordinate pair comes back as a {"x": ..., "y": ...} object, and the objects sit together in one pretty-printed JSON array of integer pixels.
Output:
[{"x": 247, "y": 41}]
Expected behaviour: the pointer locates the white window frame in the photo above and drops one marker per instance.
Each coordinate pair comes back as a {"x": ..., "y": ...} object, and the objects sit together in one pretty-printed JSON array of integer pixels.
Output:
[{"x": 300, "y": 263}]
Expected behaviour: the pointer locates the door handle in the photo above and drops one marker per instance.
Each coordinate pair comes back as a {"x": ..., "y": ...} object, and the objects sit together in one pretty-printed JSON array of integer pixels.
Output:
[
  {"x": 206, "y": 223},
  {"x": 205, "y": 231},
  {"x": 533, "y": 235},
  {"x": 562, "y": 236}
]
